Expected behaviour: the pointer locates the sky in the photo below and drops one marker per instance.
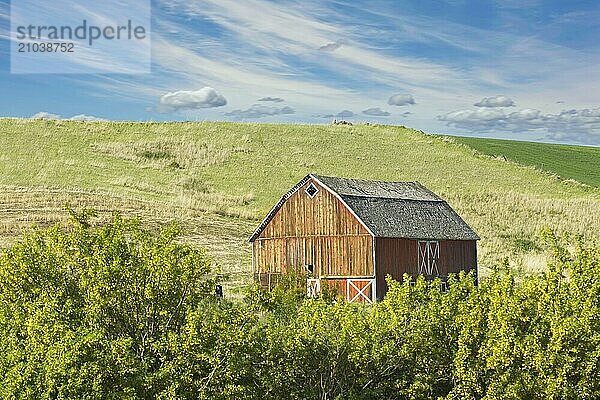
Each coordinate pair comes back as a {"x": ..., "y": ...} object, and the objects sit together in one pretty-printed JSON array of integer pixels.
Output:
[{"x": 524, "y": 70}]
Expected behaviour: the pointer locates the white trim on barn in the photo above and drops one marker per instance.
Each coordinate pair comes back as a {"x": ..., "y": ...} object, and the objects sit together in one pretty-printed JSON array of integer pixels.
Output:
[{"x": 428, "y": 253}]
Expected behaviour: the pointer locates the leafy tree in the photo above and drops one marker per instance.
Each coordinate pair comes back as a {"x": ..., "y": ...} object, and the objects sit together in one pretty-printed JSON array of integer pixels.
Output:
[
  {"x": 90, "y": 311},
  {"x": 120, "y": 312}
]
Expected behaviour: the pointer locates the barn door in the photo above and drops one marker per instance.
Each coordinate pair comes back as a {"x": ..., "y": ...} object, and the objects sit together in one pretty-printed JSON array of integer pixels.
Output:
[
  {"x": 360, "y": 290},
  {"x": 429, "y": 256},
  {"x": 313, "y": 288}
]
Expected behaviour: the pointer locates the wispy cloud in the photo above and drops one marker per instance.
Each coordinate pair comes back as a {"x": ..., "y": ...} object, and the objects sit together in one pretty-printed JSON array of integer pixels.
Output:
[
  {"x": 376, "y": 112},
  {"x": 260, "y": 111},
  {"x": 341, "y": 114},
  {"x": 79, "y": 117},
  {"x": 84, "y": 117},
  {"x": 104, "y": 56},
  {"x": 271, "y": 99},
  {"x": 45, "y": 115},
  {"x": 332, "y": 46},
  {"x": 326, "y": 55},
  {"x": 266, "y": 26}
]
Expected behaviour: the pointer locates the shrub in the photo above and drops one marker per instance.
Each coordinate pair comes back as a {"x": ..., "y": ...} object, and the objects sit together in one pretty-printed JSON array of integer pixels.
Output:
[{"x": 90, "y": 311}]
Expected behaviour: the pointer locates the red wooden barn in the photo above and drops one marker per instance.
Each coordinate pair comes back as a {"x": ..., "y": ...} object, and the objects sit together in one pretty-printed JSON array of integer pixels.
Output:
[{"x": 351, "y": 233}]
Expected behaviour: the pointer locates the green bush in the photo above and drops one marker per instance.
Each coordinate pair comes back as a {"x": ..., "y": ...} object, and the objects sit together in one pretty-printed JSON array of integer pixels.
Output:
[
  {"x": 119, "y": 312},
  {"x": 89, "y": 312}
]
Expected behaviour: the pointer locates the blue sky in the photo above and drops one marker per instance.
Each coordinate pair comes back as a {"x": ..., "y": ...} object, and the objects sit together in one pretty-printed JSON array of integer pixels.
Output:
[{"x": 509, "y": 69}]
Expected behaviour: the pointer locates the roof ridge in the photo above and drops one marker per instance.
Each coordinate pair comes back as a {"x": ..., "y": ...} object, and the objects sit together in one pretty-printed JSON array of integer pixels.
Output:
[
  {"x": 364, "y": 180},
  {"x": 366, "y": 196}
]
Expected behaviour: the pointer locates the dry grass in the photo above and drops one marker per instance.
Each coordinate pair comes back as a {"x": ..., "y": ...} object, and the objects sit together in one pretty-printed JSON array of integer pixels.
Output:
[
  {"x": 218, "y": 179},
  {"x": 178, "y": 153},
  {"x": 224, "y": 237},
  {"x": 510, "y": 223}
]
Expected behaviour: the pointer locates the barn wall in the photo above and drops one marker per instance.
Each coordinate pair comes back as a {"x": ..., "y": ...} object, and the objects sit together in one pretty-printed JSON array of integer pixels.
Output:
[
  {"x": 320, "y": 231},
  {"x": 330, "y": 255},
  {"x": 458, "y": 255},
  {"x": 399, "y": 256}
]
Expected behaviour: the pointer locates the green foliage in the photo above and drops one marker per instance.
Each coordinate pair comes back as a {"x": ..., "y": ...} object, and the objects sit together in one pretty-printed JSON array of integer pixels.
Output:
[
  {"x": 93, "y": 311},
  {"x": 97, "y": 312}
]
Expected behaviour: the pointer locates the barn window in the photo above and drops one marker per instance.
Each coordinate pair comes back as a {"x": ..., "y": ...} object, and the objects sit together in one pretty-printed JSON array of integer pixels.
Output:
[
  {"x": 429, "y": 255},
  {"x": 311, "y": 190},
  {"x": 309, "y": 268}
]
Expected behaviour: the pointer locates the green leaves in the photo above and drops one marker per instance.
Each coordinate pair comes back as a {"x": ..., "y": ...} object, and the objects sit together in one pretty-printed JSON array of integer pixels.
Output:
[
  {"x": 121, "y": 312},
  {"x": 84, "y": 310}
]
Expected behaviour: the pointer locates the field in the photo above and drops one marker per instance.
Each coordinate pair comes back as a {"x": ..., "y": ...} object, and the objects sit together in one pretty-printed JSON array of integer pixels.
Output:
[
  {"x": 219, "y": 179},
  {"x": 580, "y": 163}
]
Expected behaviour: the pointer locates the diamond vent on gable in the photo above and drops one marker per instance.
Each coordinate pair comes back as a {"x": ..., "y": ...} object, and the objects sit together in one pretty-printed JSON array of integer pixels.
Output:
[{"x": 311, "y": 190}]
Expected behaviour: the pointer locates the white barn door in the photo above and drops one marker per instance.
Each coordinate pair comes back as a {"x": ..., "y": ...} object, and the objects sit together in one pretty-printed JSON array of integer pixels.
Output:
[{"x": 429, "y": 256}]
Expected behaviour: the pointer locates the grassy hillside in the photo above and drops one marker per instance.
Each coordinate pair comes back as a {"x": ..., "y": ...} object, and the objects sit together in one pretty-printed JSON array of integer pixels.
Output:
[
  {"x": 580, "y": 163},
  {"x": 218, "y": 179}
]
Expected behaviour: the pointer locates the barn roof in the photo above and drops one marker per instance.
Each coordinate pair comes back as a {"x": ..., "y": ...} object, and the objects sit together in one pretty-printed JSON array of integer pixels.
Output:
[{"x": 390, "y": 209}]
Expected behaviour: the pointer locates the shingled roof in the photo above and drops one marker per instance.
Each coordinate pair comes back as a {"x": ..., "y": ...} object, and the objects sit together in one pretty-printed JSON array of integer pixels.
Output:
[{"x": 391, "y": 209}]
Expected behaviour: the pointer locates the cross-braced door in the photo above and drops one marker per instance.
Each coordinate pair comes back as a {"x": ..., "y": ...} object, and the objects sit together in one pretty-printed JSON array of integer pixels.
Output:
[
  {"x": 429, "y": 255},
  {"x": 360, "y": 290},
  {"x": 313, "y": 288}
]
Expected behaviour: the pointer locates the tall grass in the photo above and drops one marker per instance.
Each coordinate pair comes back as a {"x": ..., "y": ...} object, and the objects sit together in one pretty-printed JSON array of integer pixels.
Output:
[{"x": 221, "y": 178}]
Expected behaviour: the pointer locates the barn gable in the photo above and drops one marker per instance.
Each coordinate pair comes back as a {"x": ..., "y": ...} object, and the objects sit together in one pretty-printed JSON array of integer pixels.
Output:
[
  {"x": 312, "y": 226},
  {"x": 326, "y": 214}
]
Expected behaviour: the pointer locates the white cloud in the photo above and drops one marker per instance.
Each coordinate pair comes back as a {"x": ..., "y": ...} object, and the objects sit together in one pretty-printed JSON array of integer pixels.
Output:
[
  {"x": 401, "y": 100},
  {"x": 272, "y": 99},
  {"x": 478, "y": 117},
  {"x": 376, "y": 112},
  {"x": 206, "y": 97},
  {"x": 495, "y": 101},
  {"x": 260, "y": 111},
  {"x": 80, "y": 117},
  {"x": 45, "y": 115},
  {"x": 84, "y": 117},
  {"x": 581, "y": 125}
]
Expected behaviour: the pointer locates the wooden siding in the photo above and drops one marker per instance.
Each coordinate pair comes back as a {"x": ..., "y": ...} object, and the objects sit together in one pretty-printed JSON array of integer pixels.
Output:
[
  {"x": 321, "y": 232},
  {"x": 323, "y": 215},
  {"x": 396, "y": 257},
  {"x": 458, "y": 255}
]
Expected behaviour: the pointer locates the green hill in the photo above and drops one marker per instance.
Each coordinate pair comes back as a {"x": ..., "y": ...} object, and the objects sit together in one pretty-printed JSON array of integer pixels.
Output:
[
  {"x": 219, "y": 179},
  {"x": 581, "y": 163}
]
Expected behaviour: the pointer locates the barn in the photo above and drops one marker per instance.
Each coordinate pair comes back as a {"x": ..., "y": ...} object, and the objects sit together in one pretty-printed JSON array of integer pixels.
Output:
[{"x": 349, "y": 234}]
